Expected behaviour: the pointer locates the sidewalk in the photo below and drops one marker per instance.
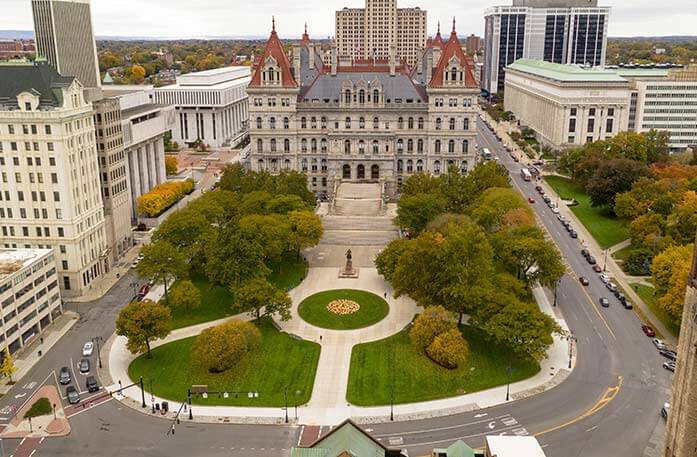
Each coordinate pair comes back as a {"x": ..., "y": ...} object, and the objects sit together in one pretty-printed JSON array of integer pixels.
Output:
[
  {"x": 52, "y": 424},
  {"x": 27, "y": 357},
  {"x": 101, "y": 285}
]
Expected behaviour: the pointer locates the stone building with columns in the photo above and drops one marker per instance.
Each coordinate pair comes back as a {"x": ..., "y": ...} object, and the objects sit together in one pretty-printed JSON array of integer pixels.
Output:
[{"x": 372, "y": 120}]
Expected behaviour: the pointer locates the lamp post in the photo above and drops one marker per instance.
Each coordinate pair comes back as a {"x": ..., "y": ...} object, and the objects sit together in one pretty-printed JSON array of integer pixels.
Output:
[
  {"x": 605, "y": 261},
  {"x": 509, "y": 370},
  {"x": 96, "y": 340},
  {"x": 54, "y": 410},
  {"x": 285, "y": 400},
  {"x": 392, "y": 402},
  {"x": 297, "y": 394},
  {"x": 142, "y": 393},
  {"x": 152, "y": 397},
  {"x": 556, "y": 284},
  {"x": 188, "y": 398}
]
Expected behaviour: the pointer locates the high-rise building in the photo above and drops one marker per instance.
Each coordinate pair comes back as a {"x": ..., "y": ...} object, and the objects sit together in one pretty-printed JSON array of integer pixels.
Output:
[
  {"x": 474, "y": 44},
  {"x": 681, "y": 434},
  {"x": 50, "y": 175},
  {"x": 63, "y": 30},
  {"x": 367, "y": 33},
  {"x": 558, "y": 31}
]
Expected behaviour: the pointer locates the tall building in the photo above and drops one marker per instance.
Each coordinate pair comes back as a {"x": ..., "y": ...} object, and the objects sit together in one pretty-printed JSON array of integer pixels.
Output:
[
  {"x": 558, "y": 31},
  {"x": 29, "y": 294},
  {"x": 373, "y": 120},
  {"x": 681, "y": 433},
  {"x": 474, "y": 44},
  {"x": 63, "y": 30},
  {"x": 50, "y": 176},
  {"x": 366, "y": 33}
]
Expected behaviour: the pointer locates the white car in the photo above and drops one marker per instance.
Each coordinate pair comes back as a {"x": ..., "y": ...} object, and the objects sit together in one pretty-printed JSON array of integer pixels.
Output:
[
  {"x": 660, "y": 344},
  {"x": 604, "y": 278},
  {"x": 87, "y": 349},
  {"x": 555, "y": 210}
]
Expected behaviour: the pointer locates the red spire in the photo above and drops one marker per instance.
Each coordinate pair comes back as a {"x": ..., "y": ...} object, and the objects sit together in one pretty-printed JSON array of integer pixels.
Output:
[
  {"x": 453, "y": 26},
  {"x": 438, "y": 40},
  {"x": 305, "y": 38},
  {"x": 453, "y": 50},
  {"x": 274, "y": 49}
]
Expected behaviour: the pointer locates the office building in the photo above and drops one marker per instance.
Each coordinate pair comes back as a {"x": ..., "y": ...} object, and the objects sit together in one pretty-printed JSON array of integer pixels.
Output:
[
  {"x": 29, "y": 294},
  {"x": 566, "y": 105},
  {"x": 681, "y": 433},
  {"x": 365, "y": 121},
  {"x": 474, "y": 44},
  {"x": 367, "y": 33},
  {"x": 210, "y": 106},
  {"x": 63, "y": 30},
  {"x": 559, "y": 31},
  {"x": 50, "y": 177},
  {"x": 16, "y": 49}
]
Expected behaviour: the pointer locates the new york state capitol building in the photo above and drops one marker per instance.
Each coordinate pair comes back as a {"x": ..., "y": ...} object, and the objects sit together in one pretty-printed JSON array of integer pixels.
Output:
[{"x": 368, "y": 120}]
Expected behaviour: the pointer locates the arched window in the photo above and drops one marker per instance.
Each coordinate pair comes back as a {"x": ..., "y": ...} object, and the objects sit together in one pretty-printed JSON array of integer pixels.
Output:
[
  {"x": 347, "y": 96},
  {"x": 273, "y": 144},
  {"x": 313, "y": 145},
  {"x": 452, "y": 123},
  {"x": 313, "y": 122},
  {"x": 465, "y": 146},
  {"x": 286, "y": 124},
  {"x": 376, "y": 96},
  {"x": 347, "y": 147},
  {"x": 272, "y": 123},
  {"x": 376, "y": 147},
  {"x": 410, "y": 123},
  {"x": 420, "y": 145},
  {"x": 260, "y": 145},
  {"x": 451, "y": 146},
  {"x": 410, "y": 145},
  {"x": 323, "y": 122},
  {"x": 303, "y": 122},
  {"x": 421, "y": 123},
  {"x": 400, "y": 123},
  {"x": 437, "y": 148},
  {"x": 286, "y": 164},
  {"x": 361, "y": 122},
  {"x": 323, "y": 145},
  {"x": 361, "y": 147},
  {"x": 303, "y": 164},
  {"x": 260, "y": 164},
  {"x": 439, "y": 123},
  {"x": 436, "y": 167},
  {"x": 324, "y": 164},
  {"x": 453, "y": 74},
  {"x": 419, "y": 165},
  {"x": 376, "y": 123},
  {"x": 314, "y": 165},
  {"x": 410, "y": 166},
  {"x": 303, "y": 145},
  {"x": 400, "y": 166},
  {"x": 274, "y": 165},
  {"x": 400, "y": 146},
  {"x": 361, "y": 96},
  {"x": 286, "y": 145},
  {"x": 466, "y": 124},
  {"x": 259, "y": 123},
  {"x": 348, "y": 122},
  {"x": 463, "y": 167}
]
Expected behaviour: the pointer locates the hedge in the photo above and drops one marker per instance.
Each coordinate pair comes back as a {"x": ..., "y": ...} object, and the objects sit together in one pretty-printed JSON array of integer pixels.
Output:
[{"x": 163, "y": 196}]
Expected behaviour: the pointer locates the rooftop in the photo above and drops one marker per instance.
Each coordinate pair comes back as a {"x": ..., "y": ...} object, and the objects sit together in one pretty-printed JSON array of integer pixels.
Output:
[
  {"x": 565, "y": 73},
  {"x": 514, "y": 446},
  {"x": 213, "y": 77},
  {"x": 13, "y": 260},
  {"x": 38, "y": 77}
]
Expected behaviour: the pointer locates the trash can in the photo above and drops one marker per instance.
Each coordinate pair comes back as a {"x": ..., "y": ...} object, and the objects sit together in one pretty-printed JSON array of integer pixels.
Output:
[
  {"x": 40, "y": 353},
  {"x": 165, "y": 406},
  {"x": 157, "y": 406}
]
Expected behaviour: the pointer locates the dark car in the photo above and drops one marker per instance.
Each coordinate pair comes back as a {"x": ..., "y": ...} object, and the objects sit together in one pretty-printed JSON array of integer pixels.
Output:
[
  {"x": 538, "y": 188},
  {"x": 531, "y": 200},
  {"x": 84, "y": 366},
  {"x": 665, "y": 410},
  {"x": 584, "y": 280},
  {"x": 627, "y": 304},
  {"x": 585, "y": 252},
  {"x": 546, "y": 199},
  {"x": 648, "y": 331},
  {"x": 64, "y": 376},
  {"x": 73, "y": 396},
  {"x": 591, "y": 260},
  {"x": 604, "y": 302},
  {"x": 597, "y": 269},
  {"x": 573, "y": 234},
  {"x": 667, "y": 353},
  {"x": 91, "y": 384}
]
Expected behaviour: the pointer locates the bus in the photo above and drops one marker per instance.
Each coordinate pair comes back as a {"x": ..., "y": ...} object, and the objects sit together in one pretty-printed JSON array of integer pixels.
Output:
[
  {"x": 486, "y": 154},
  {"x": 525, "y": 173}
]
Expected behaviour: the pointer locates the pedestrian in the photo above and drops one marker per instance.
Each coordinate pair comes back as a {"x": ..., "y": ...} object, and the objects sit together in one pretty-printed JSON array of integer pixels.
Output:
[
  {"x": 320, "y": 338},
  {"x": 385, "y": 294}
]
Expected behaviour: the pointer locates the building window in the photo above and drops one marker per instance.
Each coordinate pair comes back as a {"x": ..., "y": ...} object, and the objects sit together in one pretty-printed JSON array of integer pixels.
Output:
[
  {"x": 272, "y": 123},
  {"x": 376, "y": 96},
  {"x": 573, "y": 111},
  {"x": 591, "y": 111},
  {"x": 572, "y": 125},
  {"x": 361, "y": 122},
  {"x": 286, "y": 123},
  {"x": 436, "y": 167},
  {"x": 410, "y": 123},
  {"x": 438, "y": 123},
  {"x": 313, "y": 145},
  {"x": 419, "y": 166},
  {"x": 591, "y": 125},
  {"x": 420, "y": 145},
  {"x": 286, "y": 145},
  {"x": 361, "y": 96},
  {"x": 323, "y": 145},
  {"x": 451, "y": 146},
  {"x": 466, "y": 124},
  {"x": 376, "y": 147},
  {"x": 376, "y": 123},
  {"x": 400, "y": 166},
  {"x": 570, "y": 140},
  {"x": 410, "y": 166},
  {"x": 323, "y": 122},
  {"x": 303, "y": 122},
  {"x": 410, "y": 145},
  {"x": 437, "y": 146},
  {"x": 611, "y": 112},
  {"x": 465, "y": 146},
  {"x": 608, "y": 126},
  {"x": 589, "y": 139},
  {"x": 361, "y": 147},
  {"x": 400, "y": 146},
  {"x": 259, "y": 123},
  {"x": 421, "y": 123},
  {"x": 260, "y": 145},
  {"x": 347, "y": 122},
  {"x": 347, "y": 96},
  {"x": 452, "y": 123},
  {"x": 273, "y": 145},
  {"x": 347, "y": 147}
]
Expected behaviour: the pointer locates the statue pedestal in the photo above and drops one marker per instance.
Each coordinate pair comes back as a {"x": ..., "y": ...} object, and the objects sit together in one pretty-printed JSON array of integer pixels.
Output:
[{"x": 348, "y": 271}]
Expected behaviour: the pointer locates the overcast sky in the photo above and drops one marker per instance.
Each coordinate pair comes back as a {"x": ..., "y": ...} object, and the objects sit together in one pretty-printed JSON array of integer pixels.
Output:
[{"x": 191, "y": 18}]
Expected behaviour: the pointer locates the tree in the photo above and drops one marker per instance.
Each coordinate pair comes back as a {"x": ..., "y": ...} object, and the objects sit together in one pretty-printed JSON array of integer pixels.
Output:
[
  {"x": 219, "y": 348},
  {"x": 162, "y": 262},
  {"x": 285, "y": 203},
  {"x": 657, "y": 146},
  {"x": 184, "y": 295},
  {"x": 415, "y": 211},
  {"x": 186, "y": 230},
  {"x": 171, "y": 165},
  {"x": 420, "y": 183},
  {"x": 257, "y": 294},
  {"x": 8, "y": 367},
  {"x": 614, "y": 177},
  {"x": 142, "y": 322},
  {"x": 234, "y": 255},
  {"x": 669, "y": 271},
  {"x": 494, "y": 204},
  {"x": 449, "y": 349},
  {"x": 138, "y": 72},
  {"x": 387, "y": 260},
  {"x": 272, "y": 233},
  {"x": 433, "y": 321},
  {"x": 305, "y": 230}
]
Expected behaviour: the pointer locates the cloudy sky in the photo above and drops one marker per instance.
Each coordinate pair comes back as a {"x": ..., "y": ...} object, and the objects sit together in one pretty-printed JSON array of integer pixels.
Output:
[{"x": 191, "y": 18}]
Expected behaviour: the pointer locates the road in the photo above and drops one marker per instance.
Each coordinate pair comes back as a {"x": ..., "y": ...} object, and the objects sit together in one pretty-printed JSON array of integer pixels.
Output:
[{"x": 609, "y": 405}]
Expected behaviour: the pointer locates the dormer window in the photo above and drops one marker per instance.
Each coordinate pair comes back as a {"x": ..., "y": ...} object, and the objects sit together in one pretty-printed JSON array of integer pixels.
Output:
[
  {"x": 271, "y": 74},
  {"x": 347, "y": 97},
  {"x": 454, "y": 74}
]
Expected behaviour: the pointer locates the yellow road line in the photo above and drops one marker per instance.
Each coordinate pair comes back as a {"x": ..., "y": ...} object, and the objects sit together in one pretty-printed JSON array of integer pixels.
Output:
[{"x": 607, "y": 397}]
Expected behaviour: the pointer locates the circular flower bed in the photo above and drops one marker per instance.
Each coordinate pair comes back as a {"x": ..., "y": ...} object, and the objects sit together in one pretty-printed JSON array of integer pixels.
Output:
[{"x": 343, "y": 306}]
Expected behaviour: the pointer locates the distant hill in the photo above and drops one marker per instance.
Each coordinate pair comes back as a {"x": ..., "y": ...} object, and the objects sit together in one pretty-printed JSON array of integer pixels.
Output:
[{"x": 16, "y": 34}]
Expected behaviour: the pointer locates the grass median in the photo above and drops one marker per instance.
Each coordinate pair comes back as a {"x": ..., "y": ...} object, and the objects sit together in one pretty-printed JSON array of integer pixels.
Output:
[{"x": 372, "y": 309}]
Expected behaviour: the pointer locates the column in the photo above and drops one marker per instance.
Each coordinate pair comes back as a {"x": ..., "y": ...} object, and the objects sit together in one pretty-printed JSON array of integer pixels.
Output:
[
  {"x": 134, "y": 168},
  {"x": 143, "y": 175},
  {"x": 158, "y": 147},
  {"x": 150, "y": 158}
]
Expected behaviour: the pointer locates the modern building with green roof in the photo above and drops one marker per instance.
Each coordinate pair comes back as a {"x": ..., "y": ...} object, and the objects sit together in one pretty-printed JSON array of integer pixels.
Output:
[{"x": 346, "y": 440}]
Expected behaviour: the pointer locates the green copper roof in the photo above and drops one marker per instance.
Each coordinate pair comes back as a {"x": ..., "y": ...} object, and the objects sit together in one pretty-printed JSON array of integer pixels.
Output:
[
  {"x": 457, "y": 449},
  {"x": 346, "y": 437},
  {"x": 639, "y": 72},
  {"x": 108, "y": 79},
  {"x": 565, "y": 73}
]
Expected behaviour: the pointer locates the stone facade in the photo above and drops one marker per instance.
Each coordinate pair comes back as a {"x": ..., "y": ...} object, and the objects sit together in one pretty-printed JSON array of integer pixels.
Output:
[{"x": 372, "y": 121}]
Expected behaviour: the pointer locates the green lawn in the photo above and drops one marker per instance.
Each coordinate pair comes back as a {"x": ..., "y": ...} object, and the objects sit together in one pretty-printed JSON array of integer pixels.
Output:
[
  {"x": 217, "y": 302},
  {"x": 623, "y": 254},
  {"x": 281, "y": 361},
  {"x": 41, "y": 407},
  {"x": 374, "y": 366},
  {"x": 372, "y": 309},
  {"x": 600, "y": 222},
  {"x": 646, "y": 294}
]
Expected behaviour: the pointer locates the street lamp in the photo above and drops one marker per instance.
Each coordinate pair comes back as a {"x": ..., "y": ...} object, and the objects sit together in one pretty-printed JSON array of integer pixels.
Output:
[
  {"x": 96, "y": 340},
  {"x": 152, "y": 397},
  {"x": 509, "y": 370},
  {"x": 556, "y": 284},
  {"x": 605, "y": 262},
  {"x": 188, "y": 398},
  {"x": 297, "y": 394},
  {"x": 392, "y": 402},
  {"x": 285, "y": 399}
]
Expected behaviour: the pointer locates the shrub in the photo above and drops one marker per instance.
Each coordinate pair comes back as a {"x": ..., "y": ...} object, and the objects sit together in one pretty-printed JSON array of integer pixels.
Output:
[
  {"x": 638, "y": 262},
  {"x": 41, "y": 407},
  {"x": 163, "y": 196},
  {"x": 184, "y": 295},
  {"x": 449, "y": 349},
  {"x": 171, "y": 165},
  {"x": 221, "y": 347},
  {"x": 433, "y": 321}
]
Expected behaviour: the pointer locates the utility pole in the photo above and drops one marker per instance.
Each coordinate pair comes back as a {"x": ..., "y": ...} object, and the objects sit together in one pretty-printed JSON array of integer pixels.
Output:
[
  {"x": 188, "y": 397},
  {"x": 142, "y": 393},
  {"x": 285, "y": 399}
]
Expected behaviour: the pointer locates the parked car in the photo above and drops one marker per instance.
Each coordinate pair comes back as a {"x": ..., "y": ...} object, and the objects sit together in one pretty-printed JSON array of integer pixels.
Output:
[
  {"x": 91, "y": 384},
  {"x": 669, "y": 354},
  {"x": 660, "y": 344},
  {"x": 73, "y": 396},
  {"x": 604, "y": 278},
  {"x": 573, "y": 234},
  {"x": 87, "y": 349},
  {"x": 604, "y": 302},
  {"x": 538, "y": 188},
  {"x": 627, "y": 304},
  {"x": 84, "y": 366},
  {"x": 665, "y": 410},
  {"x": 591, "y": 260},
  {"x": 585, "y": 252},
  {"x": 555, "y": 210},
  {"x": 611, "y": 286},
  {"x": 143, "y": 291},
  {"x": 546, "y": 199},
  {"x": 597, "y": 268},
  {"x": 64, "y": 375},
  {"x": 670, "y": 366},
  {"x": 648, "y": 331},
  {"x": 584, "y": 280},
  {"x": 561, "y": 218},
  {"x": 531, "y": 200}
]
